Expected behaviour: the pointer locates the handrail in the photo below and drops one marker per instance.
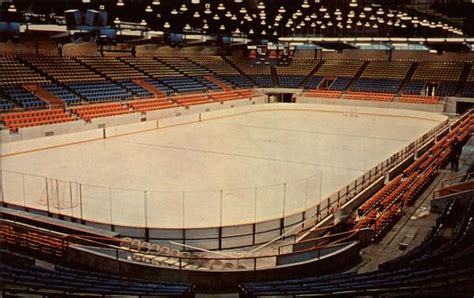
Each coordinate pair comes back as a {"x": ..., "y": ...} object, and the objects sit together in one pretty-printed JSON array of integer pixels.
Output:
[
  {"x": 290, "y": 231},
  {"x": 457, "y": 177},
  {"x": 321, "y": 238},
  {"x": 202, "y": 249},
  {"x": 95, "y": 238}
]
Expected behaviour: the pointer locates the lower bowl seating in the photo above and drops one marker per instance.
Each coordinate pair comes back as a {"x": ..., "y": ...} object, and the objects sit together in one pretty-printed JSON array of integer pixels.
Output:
[
  {"x": 144, "y": 105},
  {"x": 419, "y": 99},
  {"x": 100, "y": 110},
  {"x": 225, "y": 96},
  {"x": 290, "y": 81},
  {"x": 62, "y": 93},
  {"x": 369, "y": 96},
  {"x": 23, "y": 98},
  {"x": 188, "y": 100},
  {"x": 101, "y": 91},
  {"x": 17, "y": 120},
  {"x": 323, "y": 93}
]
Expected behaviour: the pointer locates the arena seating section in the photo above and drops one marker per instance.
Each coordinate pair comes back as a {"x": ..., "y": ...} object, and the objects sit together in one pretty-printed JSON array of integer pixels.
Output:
[
  {"x": 443, "y": 74},
  {"x": 86, "y": 85},
  {"x": 382, "y": 77},
  {"x": 21, "y": 273},
  {"x": 293, "y": 75},
  {"x": 334, "y": 74},
  {"x": 260, "y": 74},
  {"x": 223, "y": 71},
  {"x": 440, "y": 265},
  {"x": 141, "y": 84},
  {"x": 469, "y": 88}
]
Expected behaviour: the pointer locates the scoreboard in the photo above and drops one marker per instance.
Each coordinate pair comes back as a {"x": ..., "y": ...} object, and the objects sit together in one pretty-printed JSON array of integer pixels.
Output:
[{"x": 272, "y": 55}]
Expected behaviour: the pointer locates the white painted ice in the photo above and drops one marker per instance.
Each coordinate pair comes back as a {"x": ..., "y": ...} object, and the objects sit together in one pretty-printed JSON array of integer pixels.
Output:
[{"x": 247, "y": 156}]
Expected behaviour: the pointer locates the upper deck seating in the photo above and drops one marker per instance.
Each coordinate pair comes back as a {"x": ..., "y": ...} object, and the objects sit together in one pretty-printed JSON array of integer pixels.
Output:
[
  {"x": 337, "y": 73},
  {"x": 64, "y": 69},
  {"x": 292, "y": 76},
  {"x": 185, "y": 66},
  {"x": 223, "y": 70},
  {"x": 112, "y": 68},
  {"x": 469, "y": 87},
  {"x": 261, "y": 74},
  {"x": 382, "y": 76},
  {"x": 441, "y": 73},
  {"x": 152, "y": 67},
  {"x": 15, "y": 72}
]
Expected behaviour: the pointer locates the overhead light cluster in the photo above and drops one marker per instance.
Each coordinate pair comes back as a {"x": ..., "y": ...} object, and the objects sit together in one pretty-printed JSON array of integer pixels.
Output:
[{"x": 305, "y": 18}]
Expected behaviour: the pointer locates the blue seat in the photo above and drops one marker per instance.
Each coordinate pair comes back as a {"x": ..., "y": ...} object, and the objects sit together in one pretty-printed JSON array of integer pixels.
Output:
[
  {"x": 340, "y": 84},
  {"x": 313, "y": 82},
  {"x": 290, "y": 81},
  {"x": 101, "y": 91},
  {"x": 263, "y": 81},
  {"x": 62, "y": 93},
  {"x": 376, "y": 85},
  {"x": 22, "y": 97}
]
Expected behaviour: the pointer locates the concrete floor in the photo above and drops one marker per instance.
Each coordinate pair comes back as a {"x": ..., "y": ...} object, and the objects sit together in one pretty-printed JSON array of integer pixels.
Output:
[{"x": 233, "y": 170}]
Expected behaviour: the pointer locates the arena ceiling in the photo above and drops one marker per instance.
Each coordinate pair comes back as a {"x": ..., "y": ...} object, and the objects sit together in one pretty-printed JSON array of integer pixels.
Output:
[{"x": 268, "y": 19}]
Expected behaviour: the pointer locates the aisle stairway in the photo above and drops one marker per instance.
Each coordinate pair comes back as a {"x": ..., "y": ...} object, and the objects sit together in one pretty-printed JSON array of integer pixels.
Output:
[
  {"x": 219, "y": 83},
  {"x": 46, "y": 96},
  {"x": 150, "y": 88}
]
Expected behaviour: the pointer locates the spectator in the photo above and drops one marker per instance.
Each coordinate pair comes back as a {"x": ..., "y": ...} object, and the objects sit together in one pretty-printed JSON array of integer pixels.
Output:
[{"x": 456, "y": 149}]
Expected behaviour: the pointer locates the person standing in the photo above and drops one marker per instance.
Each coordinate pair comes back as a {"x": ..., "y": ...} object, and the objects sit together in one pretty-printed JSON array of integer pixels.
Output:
[{"x": 456, "y": 149}]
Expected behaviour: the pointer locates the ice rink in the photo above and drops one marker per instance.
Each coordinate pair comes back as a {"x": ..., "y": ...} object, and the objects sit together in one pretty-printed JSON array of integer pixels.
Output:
[{"x": 237, "y": 169}]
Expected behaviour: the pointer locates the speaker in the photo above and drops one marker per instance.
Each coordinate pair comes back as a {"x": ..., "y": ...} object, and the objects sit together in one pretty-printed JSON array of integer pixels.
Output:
[
  {"x": 73, "y": 18},
  {"x": 102, "y": 21},
  {"x": 91, "y": 17}
]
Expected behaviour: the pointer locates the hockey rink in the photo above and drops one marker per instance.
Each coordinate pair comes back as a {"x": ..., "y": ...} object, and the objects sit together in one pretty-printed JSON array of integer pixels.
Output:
[{"x": 248, "y": 167}]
